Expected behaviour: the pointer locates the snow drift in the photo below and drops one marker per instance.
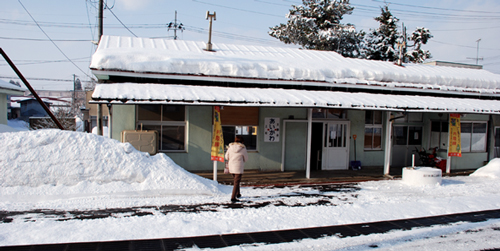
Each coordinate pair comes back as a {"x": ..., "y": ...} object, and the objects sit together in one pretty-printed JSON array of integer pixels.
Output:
[
  {"x": 94, "y": 163},
  {"x": 492, "y": 169}
]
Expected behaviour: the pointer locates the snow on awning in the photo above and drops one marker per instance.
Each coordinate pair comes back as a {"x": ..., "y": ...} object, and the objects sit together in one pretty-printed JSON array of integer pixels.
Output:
[{"x": 131, "y": 93}]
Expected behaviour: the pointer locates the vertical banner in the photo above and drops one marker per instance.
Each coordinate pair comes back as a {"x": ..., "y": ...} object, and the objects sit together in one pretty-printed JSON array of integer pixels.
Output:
[
  {"x": 272, "y": 130},
  {"x": 454, "y": 147},
  {"x": 217, "y": 139}
]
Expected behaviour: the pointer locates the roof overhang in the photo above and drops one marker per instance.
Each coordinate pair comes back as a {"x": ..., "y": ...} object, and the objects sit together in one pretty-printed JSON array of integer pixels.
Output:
[
  {"x": 132, "y": 93},
  {"x": 340, "y": 84}
]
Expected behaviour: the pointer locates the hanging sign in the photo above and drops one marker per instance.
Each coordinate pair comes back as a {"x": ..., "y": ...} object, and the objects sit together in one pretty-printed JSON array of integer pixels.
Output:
[
  {"x": 272, "y": 130},
  {"x": 454, "y": 147},
  {"x": 217, "y": 139}
]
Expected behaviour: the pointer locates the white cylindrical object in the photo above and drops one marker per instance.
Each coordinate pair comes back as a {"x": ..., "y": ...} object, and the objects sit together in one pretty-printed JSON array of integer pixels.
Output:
[{"x": 422, "y": 176}]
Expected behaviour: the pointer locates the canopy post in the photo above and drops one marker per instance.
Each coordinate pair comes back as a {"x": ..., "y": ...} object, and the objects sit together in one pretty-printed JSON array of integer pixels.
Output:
[
  {"x": 215, "y": 170},
  {"x": 388, "y": 130},
  {"x": 309, "y": 133}
]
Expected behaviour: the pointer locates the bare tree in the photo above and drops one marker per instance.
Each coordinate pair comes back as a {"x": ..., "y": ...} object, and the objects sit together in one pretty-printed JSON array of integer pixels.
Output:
[{"x": 65, "y": 115}]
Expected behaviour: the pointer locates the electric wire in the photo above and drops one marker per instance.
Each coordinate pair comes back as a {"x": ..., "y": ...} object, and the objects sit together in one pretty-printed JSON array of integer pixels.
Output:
[
  {"x": 232, "y": 8},
  {"x": 436, "y": 8},
  {"x": 119, "y": 20},
  {"x": 53, "y": 41}
]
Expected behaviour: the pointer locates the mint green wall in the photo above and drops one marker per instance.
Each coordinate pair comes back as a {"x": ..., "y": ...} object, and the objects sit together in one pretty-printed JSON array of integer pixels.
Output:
[
  {"x": 197, "y": 158},
  {"x": 269, "y": 153},
  {"x": 122, "y": 118},
  {"x": 3, "y": 108},
  {"x": 367, "y": 158}
]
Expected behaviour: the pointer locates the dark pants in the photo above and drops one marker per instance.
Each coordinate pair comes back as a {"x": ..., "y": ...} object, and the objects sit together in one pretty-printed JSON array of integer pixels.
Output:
[{"x": 236, "y": 187}]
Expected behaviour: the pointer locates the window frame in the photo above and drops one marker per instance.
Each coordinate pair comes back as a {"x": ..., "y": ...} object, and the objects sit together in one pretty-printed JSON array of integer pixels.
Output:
[
  {"x": 161, "y": 124},
  {"x": 441, "y": 136},
  {"x": 373, "y": 126},
  {"x": 253, "y": 133},
  {"x": 472, "y": 135}
]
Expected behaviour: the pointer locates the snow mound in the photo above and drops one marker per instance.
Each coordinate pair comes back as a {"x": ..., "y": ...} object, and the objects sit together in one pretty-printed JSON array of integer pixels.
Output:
[
  {"x": 492, "y": 170},
  {"x": 6, "y": 128},
  {"x": 58, "y": 158}
]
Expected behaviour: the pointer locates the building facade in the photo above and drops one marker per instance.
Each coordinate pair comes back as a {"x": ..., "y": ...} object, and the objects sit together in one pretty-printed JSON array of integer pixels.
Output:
[{"x": 296, "y": 109}]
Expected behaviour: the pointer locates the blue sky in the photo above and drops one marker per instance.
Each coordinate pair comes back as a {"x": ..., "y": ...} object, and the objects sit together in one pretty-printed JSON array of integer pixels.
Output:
[{"x": 72, "y": 25}]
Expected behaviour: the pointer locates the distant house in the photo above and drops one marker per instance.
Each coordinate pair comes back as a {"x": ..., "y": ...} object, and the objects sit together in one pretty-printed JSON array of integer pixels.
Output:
[
  {"x": 296, "y": 109},
  {"x": 30, "y": 107},
  {"x": 7, "y": 89}
]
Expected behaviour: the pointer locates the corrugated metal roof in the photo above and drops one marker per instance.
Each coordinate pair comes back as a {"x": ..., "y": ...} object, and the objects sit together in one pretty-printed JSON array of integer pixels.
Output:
[
  {"x": 131, "y": 93},
  {"x": 162, "y": 58}
]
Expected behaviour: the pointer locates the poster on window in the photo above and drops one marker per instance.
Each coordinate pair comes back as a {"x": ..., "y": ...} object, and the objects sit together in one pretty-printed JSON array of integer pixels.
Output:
[
  {"x": 217, "y": 139},
  {"x": 454, "y": 148},
  {"x": 272, "y": 130}
]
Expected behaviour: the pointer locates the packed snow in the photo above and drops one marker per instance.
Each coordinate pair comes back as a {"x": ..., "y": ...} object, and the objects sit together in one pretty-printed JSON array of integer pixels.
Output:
[
  {"x": 131, "y": 93},
  {"x": 71, "y": 172},
  {"x": 129, "y": 56}
]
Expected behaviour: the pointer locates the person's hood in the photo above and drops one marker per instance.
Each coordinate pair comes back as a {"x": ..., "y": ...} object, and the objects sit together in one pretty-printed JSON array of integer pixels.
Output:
[{"x": 236, "y": 146}]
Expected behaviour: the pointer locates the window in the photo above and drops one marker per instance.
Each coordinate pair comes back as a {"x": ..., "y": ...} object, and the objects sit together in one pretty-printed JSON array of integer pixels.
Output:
[
  {"x": 439, "y": 135},
  {"x": 242, "y": 121},
  {"x": 248, "y": 133},
  {"x": 373, "y": 130},
  {"x": 168, "y": 120},
  {"x": 473, "y": 135}
]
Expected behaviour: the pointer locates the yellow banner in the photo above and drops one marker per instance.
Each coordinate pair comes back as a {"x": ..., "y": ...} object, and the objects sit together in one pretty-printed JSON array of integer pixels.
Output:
[
  {"x": 454, "y": 148},
  {"x": 217, "y": 139}
]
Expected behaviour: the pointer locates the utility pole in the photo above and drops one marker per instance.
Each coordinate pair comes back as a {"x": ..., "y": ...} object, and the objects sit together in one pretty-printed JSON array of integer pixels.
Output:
[
  {"x": 99, "y": 107},
  {"x": 174, "y": 26},
  {"x": 477, "y": 52},
  {"x": 101, "y": 17}
]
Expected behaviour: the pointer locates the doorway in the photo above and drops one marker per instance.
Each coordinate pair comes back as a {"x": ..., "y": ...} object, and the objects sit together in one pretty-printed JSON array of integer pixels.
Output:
[
  {"x": 316, "y": 145},
  {"x": 407, "y": 140}
]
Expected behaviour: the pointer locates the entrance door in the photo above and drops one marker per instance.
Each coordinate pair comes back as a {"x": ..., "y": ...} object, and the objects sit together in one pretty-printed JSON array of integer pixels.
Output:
[
  {"x": 336, "y": 145},
  {"x": 406, "y": 140}
]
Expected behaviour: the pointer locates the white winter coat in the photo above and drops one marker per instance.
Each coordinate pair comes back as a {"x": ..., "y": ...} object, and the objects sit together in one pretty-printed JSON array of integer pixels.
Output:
[{"x": 237, "y": 156}]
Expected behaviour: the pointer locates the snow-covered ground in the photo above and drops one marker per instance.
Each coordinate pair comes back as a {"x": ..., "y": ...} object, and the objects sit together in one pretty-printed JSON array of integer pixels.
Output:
[{"x": 51, "y": 178}]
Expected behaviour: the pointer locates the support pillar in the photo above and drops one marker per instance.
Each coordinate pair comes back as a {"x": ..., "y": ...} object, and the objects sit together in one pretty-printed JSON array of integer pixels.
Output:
[
  {"x": 309, "y": 133},
  {"x": 388, "y": 131}
]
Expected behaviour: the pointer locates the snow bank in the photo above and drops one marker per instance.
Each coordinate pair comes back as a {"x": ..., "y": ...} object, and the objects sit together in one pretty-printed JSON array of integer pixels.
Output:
[
  {"x": 6, "y": 128},
  {"x": 492, "y": 170},
  {"x": 17, "y": 125},
  {"x": 87, "y": 163}
]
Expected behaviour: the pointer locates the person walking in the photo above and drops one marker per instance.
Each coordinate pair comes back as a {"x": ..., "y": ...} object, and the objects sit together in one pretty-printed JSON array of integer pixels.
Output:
[{"x": 236, "y": 156}]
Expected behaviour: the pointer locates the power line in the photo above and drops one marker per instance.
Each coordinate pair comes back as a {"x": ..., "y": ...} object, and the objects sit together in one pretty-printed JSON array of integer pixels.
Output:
[
  {"x": 120, "y": 20},
  {"x": 53, "y": 41},
  {"x": 30, "y": 62},
  {"x": 45, "y": 40},
  {"x": 47, "y": 79},
  {"x": 465, "y": 46},
  {"x": 232, "y": 8},
  {"x": 436, "y": 8}
]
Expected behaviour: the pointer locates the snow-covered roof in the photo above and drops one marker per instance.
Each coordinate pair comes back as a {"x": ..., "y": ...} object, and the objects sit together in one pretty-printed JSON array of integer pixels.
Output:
[
  {"x": 132, "y": 93},
  {"x": 178, "y": 59},
  {"x": 8, "y": 88}
]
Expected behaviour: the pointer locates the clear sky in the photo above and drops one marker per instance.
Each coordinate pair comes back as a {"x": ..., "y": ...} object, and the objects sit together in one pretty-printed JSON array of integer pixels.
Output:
[{"x": 27, "y": 25}]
